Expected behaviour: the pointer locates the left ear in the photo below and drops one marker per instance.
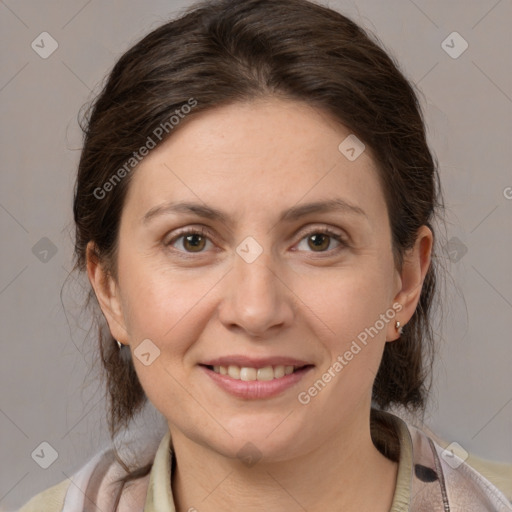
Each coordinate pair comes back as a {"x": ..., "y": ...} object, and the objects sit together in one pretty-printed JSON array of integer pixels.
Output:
[{"x": 416, "y": 263}]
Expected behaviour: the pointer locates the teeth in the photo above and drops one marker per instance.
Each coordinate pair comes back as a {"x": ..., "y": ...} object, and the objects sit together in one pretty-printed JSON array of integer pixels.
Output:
[
  {"x": 266, "y": 373},
  {"x": 249, "y": 374},
  {"x": 279, "y": 372},
  {"x": 234, "y": 372}
]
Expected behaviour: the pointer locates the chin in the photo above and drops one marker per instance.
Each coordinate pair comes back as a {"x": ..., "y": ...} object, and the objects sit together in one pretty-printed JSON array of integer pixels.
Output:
[{"x": 268, "y": 437}]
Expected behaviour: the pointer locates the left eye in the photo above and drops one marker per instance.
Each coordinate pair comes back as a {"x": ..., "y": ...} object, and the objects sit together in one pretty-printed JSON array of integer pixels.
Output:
[{"x": 321, "y": 240}]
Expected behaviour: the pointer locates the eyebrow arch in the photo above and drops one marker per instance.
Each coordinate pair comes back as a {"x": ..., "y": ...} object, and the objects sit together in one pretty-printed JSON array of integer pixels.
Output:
[{"x": 290, "y": 215}]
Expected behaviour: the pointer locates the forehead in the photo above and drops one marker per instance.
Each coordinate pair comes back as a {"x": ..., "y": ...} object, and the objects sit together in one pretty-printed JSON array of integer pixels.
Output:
[{"x": 255, "y": 157}]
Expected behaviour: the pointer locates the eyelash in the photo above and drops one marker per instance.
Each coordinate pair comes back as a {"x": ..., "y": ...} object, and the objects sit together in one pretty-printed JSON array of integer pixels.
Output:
[{"x": 205, "y": 233}]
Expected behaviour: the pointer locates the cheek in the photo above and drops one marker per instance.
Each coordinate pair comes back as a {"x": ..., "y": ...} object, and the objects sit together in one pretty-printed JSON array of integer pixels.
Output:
[
  {"x": 165, "y": 305},
  {"x": 169, "y": 312},
  {"x": 350, "y": 302},
  {"x": 351, "y": 298}
]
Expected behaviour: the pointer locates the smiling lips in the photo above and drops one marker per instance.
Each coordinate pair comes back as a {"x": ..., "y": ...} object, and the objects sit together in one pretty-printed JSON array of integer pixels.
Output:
[{"x": 255, "y": 378}]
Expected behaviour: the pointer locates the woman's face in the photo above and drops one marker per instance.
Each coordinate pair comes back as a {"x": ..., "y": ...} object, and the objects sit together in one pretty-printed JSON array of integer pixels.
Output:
[{"x": 263, "y": 286}]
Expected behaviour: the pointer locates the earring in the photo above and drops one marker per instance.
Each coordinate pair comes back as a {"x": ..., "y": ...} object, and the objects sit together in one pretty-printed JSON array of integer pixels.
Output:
[
  {"x": 120, "y": 345},
  {"x": 398, "y": 327}
]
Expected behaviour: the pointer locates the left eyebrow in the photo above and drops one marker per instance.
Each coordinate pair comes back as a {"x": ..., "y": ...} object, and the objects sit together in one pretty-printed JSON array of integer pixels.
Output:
[
  {"x": 332, "y": 205},
  {"x": 292, "y": 214}
]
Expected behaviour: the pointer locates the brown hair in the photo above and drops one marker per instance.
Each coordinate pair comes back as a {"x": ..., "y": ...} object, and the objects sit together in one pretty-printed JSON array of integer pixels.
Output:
[{"x": 225, "y": 51}]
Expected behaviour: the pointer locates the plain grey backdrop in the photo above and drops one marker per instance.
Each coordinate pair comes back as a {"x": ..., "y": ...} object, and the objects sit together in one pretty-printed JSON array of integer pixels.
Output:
[{"x": 50, "y": 393}]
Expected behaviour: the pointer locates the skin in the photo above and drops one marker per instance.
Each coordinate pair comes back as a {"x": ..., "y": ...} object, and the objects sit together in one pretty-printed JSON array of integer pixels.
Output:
[{"x": 252, "y": 161}]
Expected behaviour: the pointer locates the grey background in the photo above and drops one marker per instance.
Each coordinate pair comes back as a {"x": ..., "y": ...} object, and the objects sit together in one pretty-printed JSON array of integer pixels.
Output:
[{"x": 49, "y": 391}]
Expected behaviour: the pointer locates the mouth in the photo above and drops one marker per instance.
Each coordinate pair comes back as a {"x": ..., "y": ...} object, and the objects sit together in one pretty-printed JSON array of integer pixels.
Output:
[
  {"x": 249, "y": 374},
  {"x": 252, "y": 380}
]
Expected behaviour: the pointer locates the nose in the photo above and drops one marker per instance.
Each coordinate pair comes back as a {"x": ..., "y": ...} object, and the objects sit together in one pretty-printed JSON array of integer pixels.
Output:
[{"x": 256, "y": 299}]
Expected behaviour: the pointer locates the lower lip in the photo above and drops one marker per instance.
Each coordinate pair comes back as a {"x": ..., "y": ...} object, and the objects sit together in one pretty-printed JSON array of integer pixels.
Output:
[{"x": 256, "y": 389}]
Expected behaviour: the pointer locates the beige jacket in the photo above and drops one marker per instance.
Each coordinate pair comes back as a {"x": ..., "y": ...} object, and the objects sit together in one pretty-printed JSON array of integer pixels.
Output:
[{"x": 430, "y": 479}]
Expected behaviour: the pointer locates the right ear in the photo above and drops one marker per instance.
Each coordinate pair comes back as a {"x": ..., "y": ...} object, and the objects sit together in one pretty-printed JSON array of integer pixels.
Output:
[{"x": 107, "y": 293}]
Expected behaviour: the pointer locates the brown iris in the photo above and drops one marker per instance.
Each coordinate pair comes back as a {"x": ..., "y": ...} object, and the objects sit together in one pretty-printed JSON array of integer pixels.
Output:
[
  {"x": 320, "y": 241},
  {"x": 195, "y": 245}
]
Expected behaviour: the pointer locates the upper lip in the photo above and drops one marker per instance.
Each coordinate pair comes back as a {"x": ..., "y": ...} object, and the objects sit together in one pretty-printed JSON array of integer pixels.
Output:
[{"x": 255, "y": 362}]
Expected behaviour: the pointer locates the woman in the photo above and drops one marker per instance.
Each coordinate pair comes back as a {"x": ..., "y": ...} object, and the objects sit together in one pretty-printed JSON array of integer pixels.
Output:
[{"x": 254, "y": 208}]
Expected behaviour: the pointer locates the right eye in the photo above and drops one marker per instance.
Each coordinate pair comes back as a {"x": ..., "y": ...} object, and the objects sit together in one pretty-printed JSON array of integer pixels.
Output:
[{"x": 192, "y": 240}]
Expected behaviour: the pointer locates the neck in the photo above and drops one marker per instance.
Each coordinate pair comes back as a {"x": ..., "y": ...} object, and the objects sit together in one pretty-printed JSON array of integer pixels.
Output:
[{"x": 345, "y": 473}]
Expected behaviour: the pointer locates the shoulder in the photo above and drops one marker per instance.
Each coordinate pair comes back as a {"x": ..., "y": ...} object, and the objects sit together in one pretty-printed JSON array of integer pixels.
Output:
[
  {"x": 99, "y": 485},
  {"x": 465, "y": 486},
  {"x": 71, "y": 493},
  {"x": 498, "y": 473},
  {"x": 459, "y": 484},
  {"x": 49, "y": 500}
]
